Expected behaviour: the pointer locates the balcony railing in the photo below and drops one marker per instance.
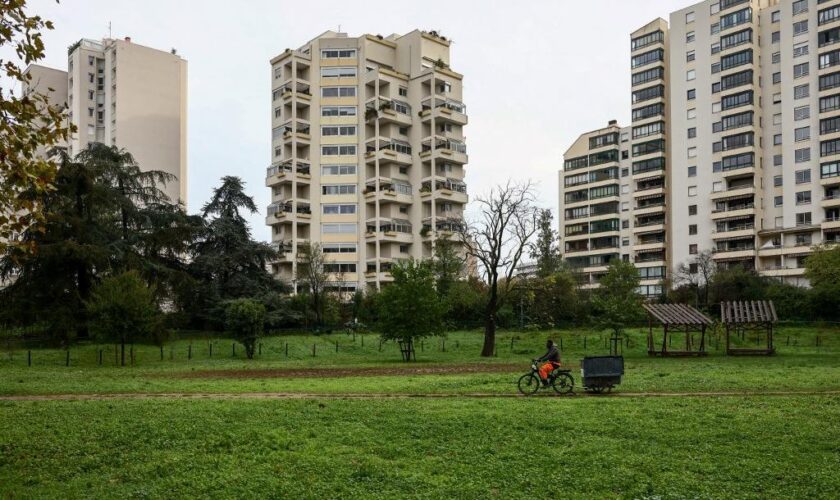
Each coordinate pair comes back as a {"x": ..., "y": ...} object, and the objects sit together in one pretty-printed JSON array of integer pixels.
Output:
[
  {"x": 735, "y": 227},
  {"x": 302, "y": 168},
  {"x": 733, "y": 248},
  {"x": 732, "y": 208},
  {"x": 287, "y": 207}
]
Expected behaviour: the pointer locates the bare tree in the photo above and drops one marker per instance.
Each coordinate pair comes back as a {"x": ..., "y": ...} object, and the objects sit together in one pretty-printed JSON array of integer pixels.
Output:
[
  {"x": 497, "y": 239},
  {"x": 696, "y": 274},
  {"x": 310, "y": 271}
]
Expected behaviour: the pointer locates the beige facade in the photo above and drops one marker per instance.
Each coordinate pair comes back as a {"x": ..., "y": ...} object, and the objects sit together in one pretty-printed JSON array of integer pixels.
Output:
[
  {"x": 751, "y": 113},
  {"x": 50, "y": 83},
  {"x": 368, "y": 153},
  {"x": 135, "y": 97}
]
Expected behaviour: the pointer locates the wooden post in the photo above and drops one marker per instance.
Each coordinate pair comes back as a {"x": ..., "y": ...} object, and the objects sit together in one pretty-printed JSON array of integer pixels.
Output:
[
  {"x": 233, "y": 349},
  {"x": 131, "y": 354},
  {"x": 210, "y": 346},
  {"x": 116, "y": 355},
  {"x": 259, "y": 348},
  {"x": 287, "y": 350},
  {"x": 29, "y": 358},
  {"x": 189, "y": 351},
  {"x": 161, "y": 352},
  {"x": 67, "y": 358}
]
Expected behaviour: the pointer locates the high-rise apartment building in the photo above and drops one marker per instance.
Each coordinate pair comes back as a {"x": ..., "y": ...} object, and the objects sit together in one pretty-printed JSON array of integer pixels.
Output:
[
  {"x": 124, "y": 94},
  {"x": 748, "y": 114},
  {"x": 367, "y": 153}
]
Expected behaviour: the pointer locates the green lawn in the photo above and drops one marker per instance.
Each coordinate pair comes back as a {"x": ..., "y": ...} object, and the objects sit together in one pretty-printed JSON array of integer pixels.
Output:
[
  {"x": 733, "y": 447},
  {"x": 803, "y": 366}
]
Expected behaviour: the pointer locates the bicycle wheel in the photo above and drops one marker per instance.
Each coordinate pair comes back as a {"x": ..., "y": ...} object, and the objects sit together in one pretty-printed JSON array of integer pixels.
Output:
[
  {"x": 528, "y": 384},
  {"x": 564, "y": 383}
]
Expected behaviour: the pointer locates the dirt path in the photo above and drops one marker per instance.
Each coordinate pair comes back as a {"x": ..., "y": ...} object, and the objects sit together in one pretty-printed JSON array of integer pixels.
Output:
[
  {"x": 350, "y": 371},
  {"x": 292, "y": 395}
]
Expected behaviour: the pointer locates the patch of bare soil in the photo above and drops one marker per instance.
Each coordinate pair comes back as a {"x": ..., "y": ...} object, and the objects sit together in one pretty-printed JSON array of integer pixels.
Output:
[{"x": 352, "y": 371}]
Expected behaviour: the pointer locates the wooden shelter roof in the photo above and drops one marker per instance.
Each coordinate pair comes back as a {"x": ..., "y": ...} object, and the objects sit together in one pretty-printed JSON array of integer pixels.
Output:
[
  {"x": 677, "y": 314},
  {"x": 754, "y": 311}
]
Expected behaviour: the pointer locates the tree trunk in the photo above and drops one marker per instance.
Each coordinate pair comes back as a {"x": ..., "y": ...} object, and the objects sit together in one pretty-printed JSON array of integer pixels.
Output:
[
  {"x": 122, "y": 351},
  {"x": 489, "y": 330}
]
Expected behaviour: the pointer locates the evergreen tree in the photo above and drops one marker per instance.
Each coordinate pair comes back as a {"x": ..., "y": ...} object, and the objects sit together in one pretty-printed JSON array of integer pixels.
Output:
[
  {"x": 546, "y": 251},
  {"x": 105, "y": 216},
  {"x": 226, "y": 261}
]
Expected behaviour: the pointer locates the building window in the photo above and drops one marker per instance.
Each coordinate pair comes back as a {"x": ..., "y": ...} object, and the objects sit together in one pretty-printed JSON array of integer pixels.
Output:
[
  {"x": 403, "y": 91},
  {"x": 690, "y": 75},
  {"x": 777, "y": 98},
  {"x": 802, "y": 113},
  {"x": 776, "y": 57},
  {"x": 802, "y": 134},
  {"x": 692, "y": 190},
  {"x": 778, "y": 201},
  {"x": 800, "y": 49},
  {"x": 692, "y": 171},
  {"x": 775, "y": 37},
  {"x": 777, "y": 77},
  {"x": 692, "y": 229},
  {"x": 800, "y": 6},
  {"x": 777, "y": 180},
  {"x": 779, "y": 222},
  {"x": 800, "y": 27},
  {"x": 691, "y": 94},
  {"x": 803, "y": 198},
  {"x": 692, "y": 249},
  {"x": 689, "y": 17},
  {"x": 803, "y": 176},
  {"x": 692, "y": 210},
  {"x": 802, "y": 155},
  {"x": 801, "y": 91},
  {"x": 800, "y": 70},
  {"x": 715, "y": 48},
  {"x": 689, "y": 37},
  {"x": 338, "y": 72},
  {"x": 803, "y": 219},
  {"x": 775, "y": 16},
  {"x": 338, "y": 53},
  {"x": 689, "y": 56},
  {"x": 692, "y": 152},
  {"x": 691, "y": 114},
  {"x": 777, "y": 160},
  {"x": 692, "y": 132},
  {"x": 717, "y": 187},
  {"x": 777, "y": 119},
  {"x": 777, "y": 139}
]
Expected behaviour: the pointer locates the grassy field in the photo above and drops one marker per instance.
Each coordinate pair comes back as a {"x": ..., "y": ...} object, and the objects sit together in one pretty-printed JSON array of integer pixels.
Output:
[
  {"x": 759, "y": 447},
  {"x": 749, "y": 444},
  {"x": 800, "y": 365}
]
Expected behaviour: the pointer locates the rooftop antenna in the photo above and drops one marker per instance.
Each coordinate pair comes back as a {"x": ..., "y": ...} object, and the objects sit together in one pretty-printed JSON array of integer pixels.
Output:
[
  {"x": 339, "y": 28},
  {"x": 109, "y": 30}
]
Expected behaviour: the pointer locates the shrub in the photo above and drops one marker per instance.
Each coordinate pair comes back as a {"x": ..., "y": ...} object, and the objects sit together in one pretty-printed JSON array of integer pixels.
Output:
[{"x": 244, "y": 320}]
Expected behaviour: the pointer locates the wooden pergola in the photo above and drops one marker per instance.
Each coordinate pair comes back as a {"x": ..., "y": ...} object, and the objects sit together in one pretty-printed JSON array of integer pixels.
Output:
[
  {"x": 677, "y": 318},
  {"x": 757, "y": 316}
]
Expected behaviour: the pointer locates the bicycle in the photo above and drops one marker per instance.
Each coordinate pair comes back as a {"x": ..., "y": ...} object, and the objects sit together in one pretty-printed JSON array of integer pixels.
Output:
[{"x": 560, "y": 379}]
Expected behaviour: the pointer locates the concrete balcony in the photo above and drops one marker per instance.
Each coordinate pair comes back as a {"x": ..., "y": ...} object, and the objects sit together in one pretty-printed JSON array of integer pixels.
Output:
[
  {"x": 389, "y": 230},
  {"x": 446, "y": 110},
  {"x": 830, "y": 181},
  {"x": 739, "y": 172},
  {"x": 388, "y": 192},
  {"x": 388, "y": 155},
  {"x": 447, "y": 190},
  {"x": 444, "y": 149},
  {"x": 649, "y": 228},
  {"x": 736, "y": 212},
  {"x": 733, "y": 253},
  {"x": 298, "y": 90},
  {"x": 830, "y": 201},
  {"x": 732, "y": 193},
  {"x": 649, "y": 209},
  {"x": 287, "y": 172},
  {"x": 831, "y": 223},
  {"x": 278, "y": 213},
  {"x": 780, "y": 271},
  {"x": 655, "y": 245},
  {"x": 734, "y": 233}
]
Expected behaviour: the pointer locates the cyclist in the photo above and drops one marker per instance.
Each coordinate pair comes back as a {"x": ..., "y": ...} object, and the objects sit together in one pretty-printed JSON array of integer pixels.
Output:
[{"x": 551, "y": 360}]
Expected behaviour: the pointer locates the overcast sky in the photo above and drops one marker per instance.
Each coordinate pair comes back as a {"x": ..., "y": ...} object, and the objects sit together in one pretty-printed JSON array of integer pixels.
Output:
[{"x": 536, "y": 73}]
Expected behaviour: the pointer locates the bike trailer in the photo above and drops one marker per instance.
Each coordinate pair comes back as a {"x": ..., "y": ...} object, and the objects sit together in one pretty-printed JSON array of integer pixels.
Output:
[{"x": 601, "y": 372}]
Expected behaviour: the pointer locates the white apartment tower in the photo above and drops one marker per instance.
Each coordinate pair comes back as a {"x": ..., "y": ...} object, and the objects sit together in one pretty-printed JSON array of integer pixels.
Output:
[
  {"x": 367, "y": 153},
  {"x": 124, "y": 94},
  {"x": 751, "y": 129}
]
